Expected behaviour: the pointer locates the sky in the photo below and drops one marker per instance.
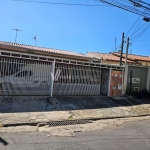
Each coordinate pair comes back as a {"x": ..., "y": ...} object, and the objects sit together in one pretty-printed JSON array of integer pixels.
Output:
[{"x": 74, "y": 28}]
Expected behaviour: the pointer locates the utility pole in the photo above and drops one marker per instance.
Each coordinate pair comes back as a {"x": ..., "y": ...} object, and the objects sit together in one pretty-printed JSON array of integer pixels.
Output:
[
  {"x": 127, "y": 49},
  {"x": 122, "y": 44},
  {"x": 16, "y": 33}
]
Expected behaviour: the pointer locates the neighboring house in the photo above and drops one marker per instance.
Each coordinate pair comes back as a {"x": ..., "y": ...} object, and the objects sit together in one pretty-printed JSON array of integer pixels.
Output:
[
  {"x": 137, "y": 68},
  {"x": 139, "y": 59},
  {"x": 114, "y": 58},
  {"x": 136, "y": 78},
  {"x": 108, "y": 58}
]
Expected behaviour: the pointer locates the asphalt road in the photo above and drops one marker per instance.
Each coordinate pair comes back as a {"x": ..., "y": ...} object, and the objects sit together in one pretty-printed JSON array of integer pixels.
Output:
[{"x": 129, "y": 136}]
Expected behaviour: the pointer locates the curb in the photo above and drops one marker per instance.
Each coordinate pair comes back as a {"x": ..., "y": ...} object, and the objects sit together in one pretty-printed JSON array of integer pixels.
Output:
[{"x": 43, "y": 123}]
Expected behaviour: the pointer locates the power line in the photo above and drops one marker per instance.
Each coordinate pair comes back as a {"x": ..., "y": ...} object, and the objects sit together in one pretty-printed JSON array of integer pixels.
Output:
[
  {"x": 133, "y": 25},
  {"x": 67, "y": 4},
  {"x": 138, "y": 33},
  {"x": 131, "y": 6},
  {"x": 137, "y": 29},
  {"x": 146, "y": 28}
]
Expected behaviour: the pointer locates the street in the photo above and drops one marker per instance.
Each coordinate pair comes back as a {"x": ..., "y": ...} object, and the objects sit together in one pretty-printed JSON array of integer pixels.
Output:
[{"x": 129, "y": 136}]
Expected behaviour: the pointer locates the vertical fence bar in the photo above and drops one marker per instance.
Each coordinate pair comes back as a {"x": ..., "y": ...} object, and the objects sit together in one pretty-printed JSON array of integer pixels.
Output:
[
  {"x": 64, "y": 73},
  {"x": 61, "y": 77},
  {"x": 71, "y": 74},
  {"x": 55, "y": 78},
  {"x": 76, "y": 80},
  {"x": 7, "y": 67},
  {"x": 9, "y": 63},
  {"x": 15, "y": 66},
  {"x": 109, "y": 82},
  {"x": 11, "y": 68},
  {"x": 66, "y": 76},
  {"x": 1, "y": 89},
  {"x": 52, "y": 78},
  {"x": 82, "y": 74},
  {"x": 3, "y": 67}
]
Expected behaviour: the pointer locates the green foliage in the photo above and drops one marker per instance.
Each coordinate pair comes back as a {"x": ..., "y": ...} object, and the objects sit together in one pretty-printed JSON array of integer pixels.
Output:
[{"x": 70, "y": 118}]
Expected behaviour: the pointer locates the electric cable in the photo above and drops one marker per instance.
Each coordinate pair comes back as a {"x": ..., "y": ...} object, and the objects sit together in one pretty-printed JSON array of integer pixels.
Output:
[
  {"x": 69, "y": 4},
  {"x": 138, "y": 29},
  {"x": 145, "y": 29},
  {"x": 133, "y": 25}
]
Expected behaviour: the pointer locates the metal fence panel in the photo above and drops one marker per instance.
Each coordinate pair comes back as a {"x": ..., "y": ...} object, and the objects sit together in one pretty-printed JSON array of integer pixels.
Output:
[
  {"x": 76, "y": 80},
  {"x": 30, "y": 77},
  {"x": 24, "y": 77}
]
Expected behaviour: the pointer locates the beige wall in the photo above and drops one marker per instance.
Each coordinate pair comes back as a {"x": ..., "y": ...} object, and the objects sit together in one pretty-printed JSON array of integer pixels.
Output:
[
  {"x": 109, "y": 62},
  {"x": 142, "y": 63},
  {"x": 145, "y": 63}
]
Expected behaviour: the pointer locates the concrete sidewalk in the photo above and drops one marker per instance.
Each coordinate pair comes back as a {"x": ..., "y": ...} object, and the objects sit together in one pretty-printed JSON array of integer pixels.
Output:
[
  {"x": 18, "y": 110},
  {"x": 36, "y": 117}
]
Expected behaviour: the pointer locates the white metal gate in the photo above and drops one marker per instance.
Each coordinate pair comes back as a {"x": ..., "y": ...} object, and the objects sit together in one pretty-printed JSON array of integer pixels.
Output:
[
  {"x": 24, "y": 77},
  {"x": 76, "y": 80}
]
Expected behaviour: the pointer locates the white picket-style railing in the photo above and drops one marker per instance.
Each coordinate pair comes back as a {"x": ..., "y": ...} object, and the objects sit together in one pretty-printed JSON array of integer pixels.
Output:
[
  {"x": 24, "y": 77},
  {"x": 28, "y": 77}
]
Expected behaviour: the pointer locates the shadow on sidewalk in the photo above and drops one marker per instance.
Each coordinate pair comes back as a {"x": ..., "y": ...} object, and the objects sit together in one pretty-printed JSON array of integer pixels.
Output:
[
  {"x": 3, "y": 141},
  {"x": 40, "y": 104}
]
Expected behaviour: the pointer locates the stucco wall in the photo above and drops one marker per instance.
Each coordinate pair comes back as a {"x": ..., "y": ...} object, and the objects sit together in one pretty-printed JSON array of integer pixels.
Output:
[
  {"x": 145, "y": 63},
  {"x": 109, "y": 62}
]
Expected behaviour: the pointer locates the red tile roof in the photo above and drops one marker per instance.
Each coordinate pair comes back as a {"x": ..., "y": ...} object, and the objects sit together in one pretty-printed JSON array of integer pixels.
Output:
[
  {"x": 42, "y": 49},
  {"x": 108, "y": 57},
  {"x": 133, "y": 57}
]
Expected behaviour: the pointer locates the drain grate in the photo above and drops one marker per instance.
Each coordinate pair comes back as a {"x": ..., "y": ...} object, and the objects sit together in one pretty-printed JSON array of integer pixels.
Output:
[{"x": 68, "y": 122}]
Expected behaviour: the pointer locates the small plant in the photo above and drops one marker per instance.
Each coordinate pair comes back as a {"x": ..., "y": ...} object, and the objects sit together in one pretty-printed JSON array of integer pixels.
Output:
[{"x": 70, "y": 118}]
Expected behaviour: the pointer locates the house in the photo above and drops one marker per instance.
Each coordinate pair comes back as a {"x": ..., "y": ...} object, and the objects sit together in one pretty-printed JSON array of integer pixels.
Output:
[
  {"x": 110, "y": 58},
  {"x": 136, "y": 76},
  {"x": 32, "y": 70},
  {"x": 137, "y": 59},
  {"x": 114, "y": 58}
]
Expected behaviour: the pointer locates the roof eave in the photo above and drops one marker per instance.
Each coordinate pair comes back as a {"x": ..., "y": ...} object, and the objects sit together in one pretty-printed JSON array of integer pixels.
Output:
[{"x": 38, "y": 52}]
